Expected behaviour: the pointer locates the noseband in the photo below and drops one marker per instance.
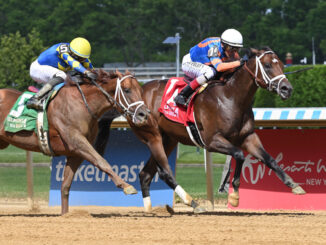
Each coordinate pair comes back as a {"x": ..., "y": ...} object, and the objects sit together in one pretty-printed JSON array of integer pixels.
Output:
[{"x": 270, "y": 82}]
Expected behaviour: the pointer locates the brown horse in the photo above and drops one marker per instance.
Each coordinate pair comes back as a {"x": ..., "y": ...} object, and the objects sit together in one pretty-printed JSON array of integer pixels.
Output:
[
  {"x": 73, "y": 127},
  {"x": 224, "y": 118}
]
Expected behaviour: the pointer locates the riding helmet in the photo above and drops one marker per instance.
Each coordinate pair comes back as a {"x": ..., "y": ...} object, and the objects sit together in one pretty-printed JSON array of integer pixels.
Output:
[
  {"x": 80, "y": 47},
  {"x": 232, "y": 37}
]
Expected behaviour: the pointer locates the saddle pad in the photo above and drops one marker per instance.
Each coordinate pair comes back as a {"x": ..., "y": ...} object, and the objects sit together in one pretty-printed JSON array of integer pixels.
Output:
[
  {"x": 22, "y": 118},
  {"x": 168, "y": 107}
]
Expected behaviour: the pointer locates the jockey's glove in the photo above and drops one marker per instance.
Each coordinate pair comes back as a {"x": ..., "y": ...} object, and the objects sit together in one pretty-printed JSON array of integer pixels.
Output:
[
  {"x": 244, "y": 59},
  {"x": 90, "y": 75}
]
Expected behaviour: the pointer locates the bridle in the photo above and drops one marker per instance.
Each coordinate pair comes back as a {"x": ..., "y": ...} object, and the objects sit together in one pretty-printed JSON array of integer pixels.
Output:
[
  {"x": 118, "y": 93},
  {"x": 270, "y": 82}
]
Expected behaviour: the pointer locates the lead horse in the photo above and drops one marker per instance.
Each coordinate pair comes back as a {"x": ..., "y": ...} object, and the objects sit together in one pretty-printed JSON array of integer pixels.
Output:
[
  {"x": 224, "y": 118},
  {"x": 73, "y": 124}
]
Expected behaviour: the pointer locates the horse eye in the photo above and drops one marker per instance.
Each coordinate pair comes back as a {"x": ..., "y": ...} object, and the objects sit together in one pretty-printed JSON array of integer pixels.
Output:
[
  {"x": 267, "y": 65},
  {"x": 126, "y": 90}
]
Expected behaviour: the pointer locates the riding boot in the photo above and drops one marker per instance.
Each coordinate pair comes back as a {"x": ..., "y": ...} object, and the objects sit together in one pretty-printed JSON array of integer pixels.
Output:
[
  {"x": 35, "y": 101},
  {"x": 182, "y": 98}
]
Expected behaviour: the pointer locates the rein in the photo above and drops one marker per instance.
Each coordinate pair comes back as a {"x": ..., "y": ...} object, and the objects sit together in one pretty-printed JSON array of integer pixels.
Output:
[
  {"x": 85, "y": 101},
  {"x": 118, "y": 90},
  {"x": 269, "y": 81}
]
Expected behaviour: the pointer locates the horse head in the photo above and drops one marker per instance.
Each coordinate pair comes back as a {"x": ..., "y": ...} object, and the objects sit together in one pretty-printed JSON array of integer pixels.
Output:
[
  {"x": 267, "y": 70},
  {"x": 127, "y": 95}
]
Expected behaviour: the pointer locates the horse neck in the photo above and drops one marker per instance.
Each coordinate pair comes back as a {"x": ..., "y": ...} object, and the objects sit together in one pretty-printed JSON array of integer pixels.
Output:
[
  {"x": 97, "y": 101},
  {"x": 243, "y": 86}
]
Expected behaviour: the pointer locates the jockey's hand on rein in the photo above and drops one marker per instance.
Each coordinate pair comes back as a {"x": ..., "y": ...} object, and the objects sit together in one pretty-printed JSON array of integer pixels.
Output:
[
  {"x": 244, "y": 59},
  {"x": 90, "y": 75}
]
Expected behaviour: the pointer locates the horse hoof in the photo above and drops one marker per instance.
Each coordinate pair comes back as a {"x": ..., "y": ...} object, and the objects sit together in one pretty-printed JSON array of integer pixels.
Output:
[
  {"x": 129, "y": 190},
  {"x": 200, "y": 210},
  {"x": 298, "y": 190},
  {"x": 233, "y": 199}
]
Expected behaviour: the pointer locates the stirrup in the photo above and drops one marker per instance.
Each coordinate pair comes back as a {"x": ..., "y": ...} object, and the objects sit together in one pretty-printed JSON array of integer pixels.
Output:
[
  {"x": 180, "y": 100},
  {"x": 34, "y": 103}
]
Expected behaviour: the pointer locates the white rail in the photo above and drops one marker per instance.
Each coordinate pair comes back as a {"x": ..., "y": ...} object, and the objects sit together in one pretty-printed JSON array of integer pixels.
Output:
[{"x": 145, "y": 74}]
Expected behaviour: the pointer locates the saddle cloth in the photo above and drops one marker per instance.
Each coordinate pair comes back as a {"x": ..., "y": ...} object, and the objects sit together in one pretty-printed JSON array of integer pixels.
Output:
[
  {"x": 168, "y": 107},
  {"x": 21, "y": 118}
]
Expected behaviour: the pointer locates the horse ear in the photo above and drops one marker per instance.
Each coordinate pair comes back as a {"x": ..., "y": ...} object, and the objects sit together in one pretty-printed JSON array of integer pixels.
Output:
[
  {"x": 100, "y": 72},
  {"x": 253, "y": 52},
  {"x": 118, "y": 73}
]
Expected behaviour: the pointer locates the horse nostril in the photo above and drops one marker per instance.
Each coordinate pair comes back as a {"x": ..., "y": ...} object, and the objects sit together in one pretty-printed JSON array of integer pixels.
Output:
[
  {"x": 284, "y": 88},
  {"x": 142, "y": 115}
]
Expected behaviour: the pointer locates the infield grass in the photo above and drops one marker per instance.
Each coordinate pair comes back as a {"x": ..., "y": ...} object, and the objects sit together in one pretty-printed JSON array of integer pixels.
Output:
[
  {"x": 13, "y": 154},
  {"x": 187, "y": 154},
  {"x": 13, "y": 183},
  {"x": 13, "y": 179}
]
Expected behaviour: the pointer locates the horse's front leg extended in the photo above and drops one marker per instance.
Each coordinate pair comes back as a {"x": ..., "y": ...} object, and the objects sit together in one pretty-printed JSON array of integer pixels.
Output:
[
  {"x": 159, "y": 163},
  {"x": 253, "y": 145},
  {"x": 82, "y": 148},
  {"x": 222, "y": 145},
  {"x": 69, "y": 172}
]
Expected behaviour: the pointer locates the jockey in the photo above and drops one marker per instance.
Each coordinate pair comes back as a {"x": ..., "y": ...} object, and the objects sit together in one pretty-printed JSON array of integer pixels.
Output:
[
  {"x": 51, "y": 66},
  {"x": 207, "y": 58}
]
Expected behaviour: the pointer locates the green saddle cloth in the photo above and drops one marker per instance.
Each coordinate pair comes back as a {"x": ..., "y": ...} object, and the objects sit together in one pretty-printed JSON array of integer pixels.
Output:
[{"x": 21, "y": 118}]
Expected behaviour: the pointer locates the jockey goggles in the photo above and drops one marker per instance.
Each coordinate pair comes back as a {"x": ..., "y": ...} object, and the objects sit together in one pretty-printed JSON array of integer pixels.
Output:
[{"x": 231, "y": 49}]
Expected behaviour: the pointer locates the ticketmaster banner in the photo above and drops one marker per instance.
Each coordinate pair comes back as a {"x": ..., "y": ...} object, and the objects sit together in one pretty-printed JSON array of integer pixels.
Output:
[{"x": 127, "y": 156}]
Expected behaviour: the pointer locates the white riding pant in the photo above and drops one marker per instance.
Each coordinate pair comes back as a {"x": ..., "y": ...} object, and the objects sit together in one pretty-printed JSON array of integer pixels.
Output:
[
  {"x": 43, "y": 73},
  {"x": 192, "y": 69}
]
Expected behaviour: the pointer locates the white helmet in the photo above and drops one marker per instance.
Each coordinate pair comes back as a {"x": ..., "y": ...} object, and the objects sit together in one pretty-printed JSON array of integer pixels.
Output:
[{"x": 232, "y": 37}]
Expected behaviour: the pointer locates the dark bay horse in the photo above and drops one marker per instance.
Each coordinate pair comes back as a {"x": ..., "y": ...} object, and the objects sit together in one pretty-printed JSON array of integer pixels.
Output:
[
  {"x": 224, "y": 117},
  {"x": 73, "y": 127}
]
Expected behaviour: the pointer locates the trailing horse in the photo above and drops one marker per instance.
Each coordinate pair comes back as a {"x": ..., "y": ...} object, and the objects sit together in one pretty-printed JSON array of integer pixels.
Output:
[{"x": 72, "y": 119}]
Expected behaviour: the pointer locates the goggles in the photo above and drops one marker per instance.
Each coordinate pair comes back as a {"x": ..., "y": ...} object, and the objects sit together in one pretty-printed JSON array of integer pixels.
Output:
[
  {"x": 231, "y": 49},
  {"x": 76, "y": 57}
]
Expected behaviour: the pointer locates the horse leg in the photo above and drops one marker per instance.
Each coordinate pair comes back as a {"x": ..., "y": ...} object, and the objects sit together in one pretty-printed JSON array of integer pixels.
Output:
[
  {"x": 159, "y": 162},
  {"x": 222, "y": 145},
  {"x": 253, "y": 145},
  {"x": 69, "y": 171},
  {"x": 103, "y": 135},
  {"x": 3, "y": 144},
  {"x": 84, "y": 149},
  {"x": 145, "y": 176}
]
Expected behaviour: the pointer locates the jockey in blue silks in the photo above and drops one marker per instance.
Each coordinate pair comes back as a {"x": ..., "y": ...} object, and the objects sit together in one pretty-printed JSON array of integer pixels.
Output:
[{"x": 51, "y": 66}]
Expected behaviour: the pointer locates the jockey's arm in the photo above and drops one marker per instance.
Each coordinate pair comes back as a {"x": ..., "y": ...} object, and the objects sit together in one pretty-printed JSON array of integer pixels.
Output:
[
  {"x": 224, "y": 66},
  {"x": 75, "y": 64},
  {"x": 88, "y": 64}
]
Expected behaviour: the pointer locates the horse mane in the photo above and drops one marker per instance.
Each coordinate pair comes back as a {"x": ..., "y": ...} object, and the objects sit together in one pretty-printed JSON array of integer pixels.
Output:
[
  {"x": 102, "y": 77},
  {"x": 251, "y": 52}
]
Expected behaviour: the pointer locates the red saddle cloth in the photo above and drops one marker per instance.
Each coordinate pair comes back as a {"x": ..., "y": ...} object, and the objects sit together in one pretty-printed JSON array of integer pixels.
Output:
[{"x": 168, "y": 107}]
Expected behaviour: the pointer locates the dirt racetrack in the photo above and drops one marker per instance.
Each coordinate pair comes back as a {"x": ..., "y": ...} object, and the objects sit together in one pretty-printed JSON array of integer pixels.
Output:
[{"x": 112, "y": 225}]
